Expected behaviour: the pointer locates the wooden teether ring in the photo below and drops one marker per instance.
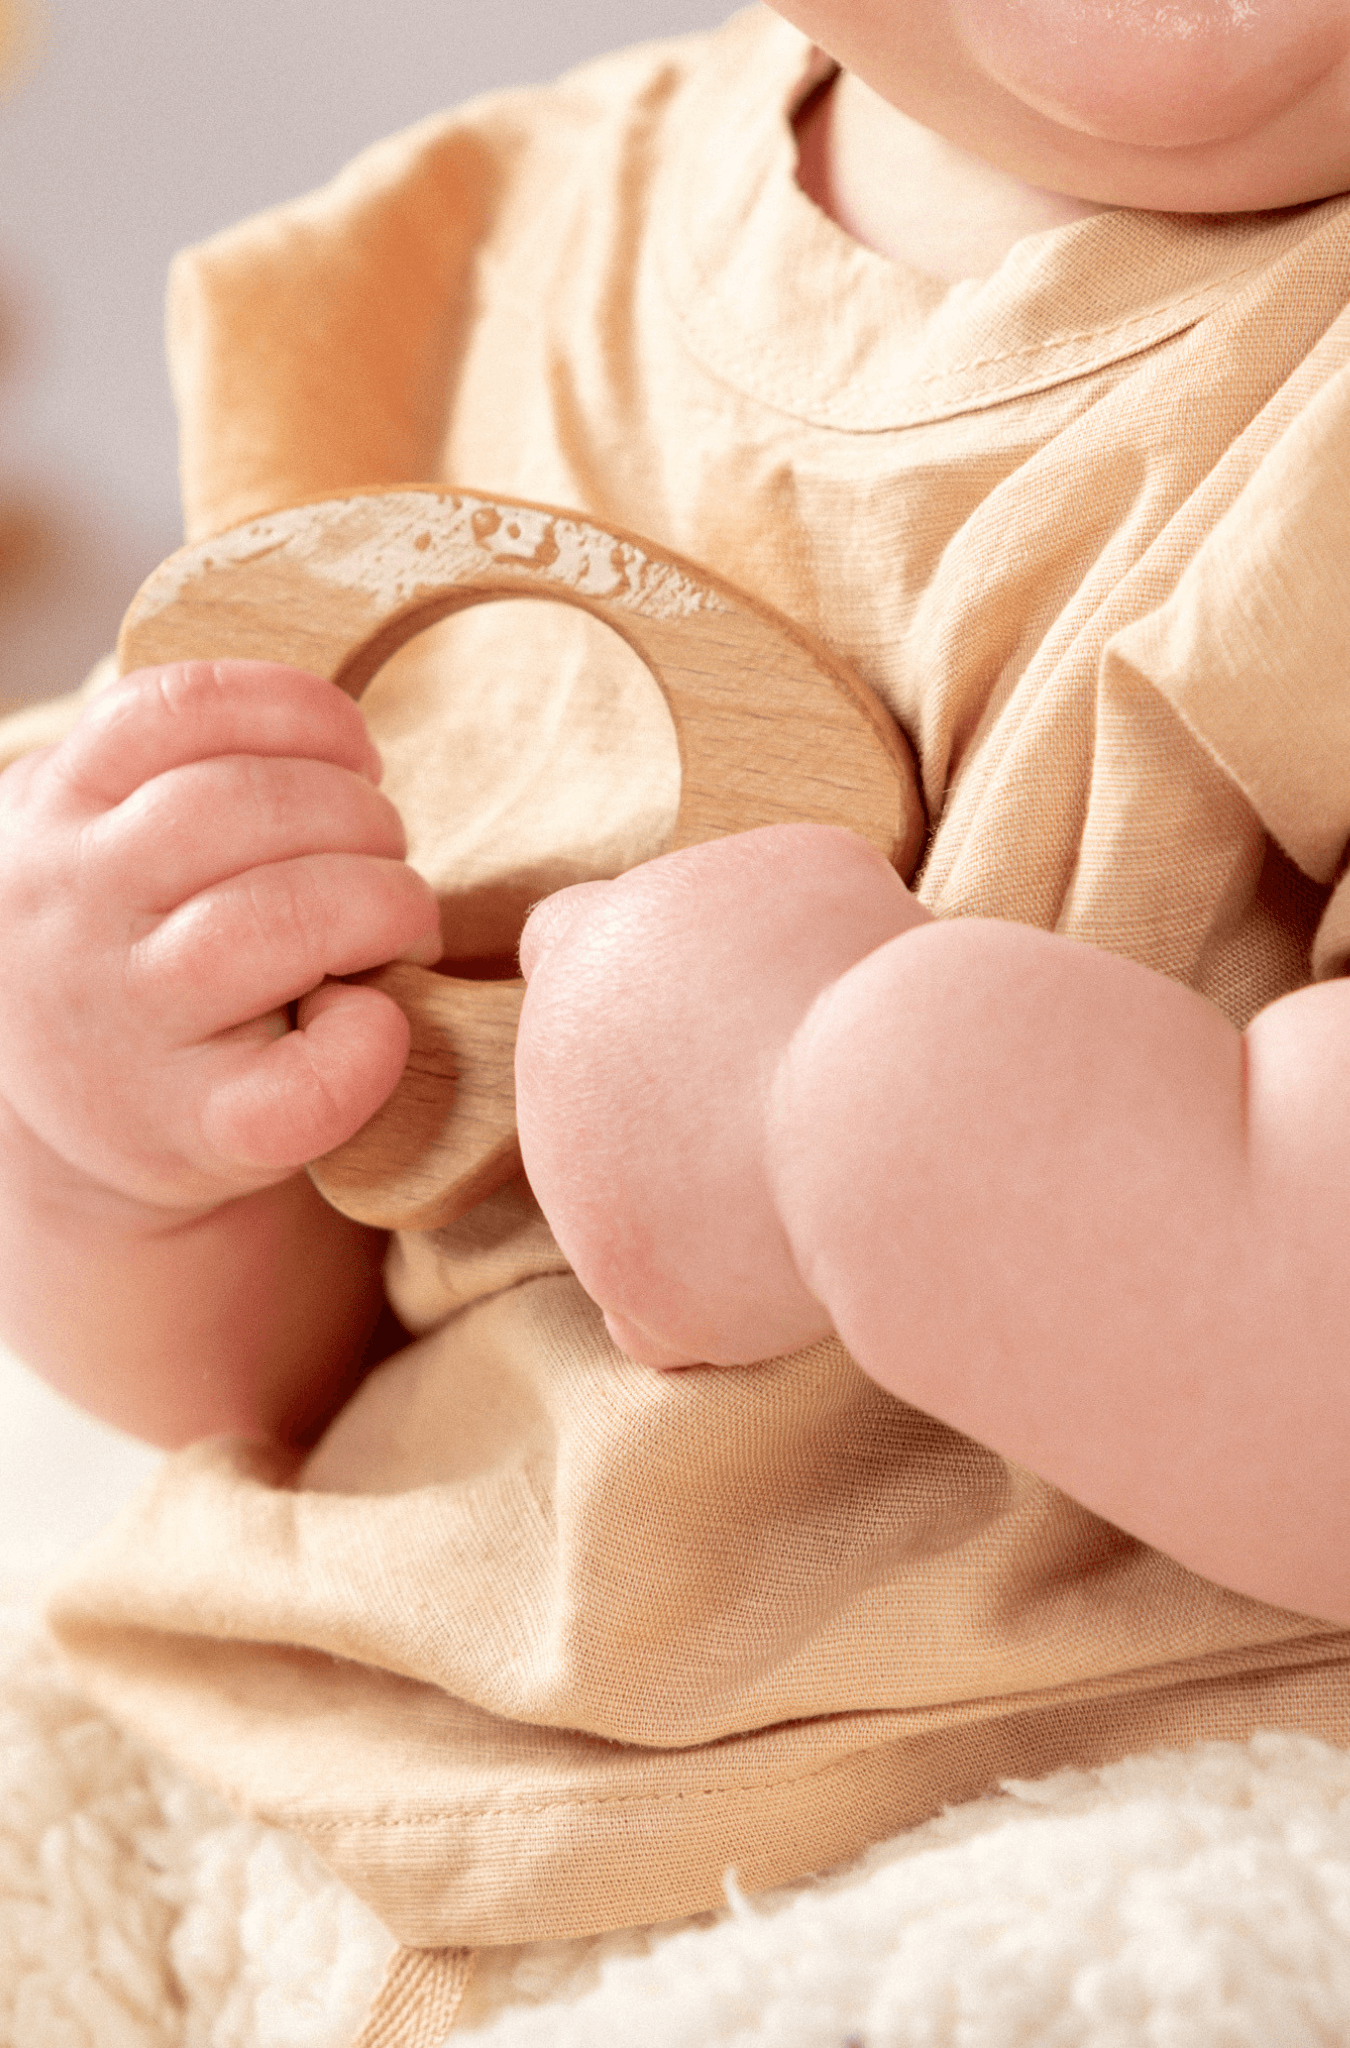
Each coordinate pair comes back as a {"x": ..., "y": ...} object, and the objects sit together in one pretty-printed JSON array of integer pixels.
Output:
[{"x": 770, "y": 730}]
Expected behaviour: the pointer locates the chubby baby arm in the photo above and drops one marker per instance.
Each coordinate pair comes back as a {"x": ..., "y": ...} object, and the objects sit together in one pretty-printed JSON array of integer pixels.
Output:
[
  {"x": 205, "y": 848},
  {"x": 1099, "y": 1229},
  {"x": 1043, "y": 1193}
]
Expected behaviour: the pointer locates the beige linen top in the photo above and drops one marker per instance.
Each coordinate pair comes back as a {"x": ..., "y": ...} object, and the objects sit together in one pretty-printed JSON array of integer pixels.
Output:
[{"x": 537, "y": 1642}]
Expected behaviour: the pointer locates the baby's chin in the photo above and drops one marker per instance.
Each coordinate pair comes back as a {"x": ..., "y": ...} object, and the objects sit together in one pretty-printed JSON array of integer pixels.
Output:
[
  {"x": 1186, "y": 106},
  {"x": 1158, "y": 74},
  {"x": 1175, "y": 106}
]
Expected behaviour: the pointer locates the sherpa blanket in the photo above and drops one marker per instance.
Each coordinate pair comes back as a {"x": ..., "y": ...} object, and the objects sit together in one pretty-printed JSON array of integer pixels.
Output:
[{"x": 1177, "y": 1900}]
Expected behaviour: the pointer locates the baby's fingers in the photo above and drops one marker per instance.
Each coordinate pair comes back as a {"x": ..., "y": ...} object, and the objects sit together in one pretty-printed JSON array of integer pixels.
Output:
[
  {"x": 292, "y": 1100},
  {"x": 198, "y": 826},
  {"x": 265, "y": 938},
  {"x": 162, "y": 718}
]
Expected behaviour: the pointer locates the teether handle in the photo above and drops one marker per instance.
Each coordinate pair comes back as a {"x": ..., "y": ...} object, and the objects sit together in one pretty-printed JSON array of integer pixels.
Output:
[
  {"x": 447, "y": 1135},
  {"x": 770, "y": 730}
]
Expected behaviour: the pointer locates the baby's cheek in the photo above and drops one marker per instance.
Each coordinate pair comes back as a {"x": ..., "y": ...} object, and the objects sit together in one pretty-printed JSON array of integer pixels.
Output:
[{"x": 1151, "y": 75}]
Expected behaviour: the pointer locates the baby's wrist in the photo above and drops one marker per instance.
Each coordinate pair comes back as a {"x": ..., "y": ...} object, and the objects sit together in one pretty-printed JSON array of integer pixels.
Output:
[{"x": 825, "y": 1109}]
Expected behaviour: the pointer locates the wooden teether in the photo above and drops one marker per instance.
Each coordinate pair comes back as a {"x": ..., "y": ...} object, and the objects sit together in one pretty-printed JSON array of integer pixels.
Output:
[{"x": 770, "y": 730}]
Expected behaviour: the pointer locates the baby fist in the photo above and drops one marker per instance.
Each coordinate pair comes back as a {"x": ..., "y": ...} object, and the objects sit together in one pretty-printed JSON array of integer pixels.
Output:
[{"x": 658, "y": 1012}]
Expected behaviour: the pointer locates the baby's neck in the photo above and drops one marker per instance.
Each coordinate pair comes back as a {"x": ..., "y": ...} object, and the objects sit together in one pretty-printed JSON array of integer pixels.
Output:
[{"x": 898, "y": 188}]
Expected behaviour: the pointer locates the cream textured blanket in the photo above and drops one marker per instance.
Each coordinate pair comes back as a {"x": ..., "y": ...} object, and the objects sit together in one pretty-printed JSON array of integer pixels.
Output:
[{"x": 1197, "y": 1900}]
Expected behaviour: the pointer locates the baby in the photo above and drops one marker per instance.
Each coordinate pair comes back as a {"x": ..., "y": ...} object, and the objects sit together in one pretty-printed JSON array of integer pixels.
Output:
[{"x": 1047, "y": 1194}]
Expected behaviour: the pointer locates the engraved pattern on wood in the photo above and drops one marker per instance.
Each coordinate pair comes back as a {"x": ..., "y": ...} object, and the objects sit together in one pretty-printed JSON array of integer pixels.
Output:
[{"x": 770, "y": 730}]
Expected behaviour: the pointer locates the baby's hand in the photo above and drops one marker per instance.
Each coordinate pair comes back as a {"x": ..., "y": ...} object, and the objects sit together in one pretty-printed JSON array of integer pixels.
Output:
[
  {"x": 658, "y": 1012},
  {"x": 205, "y": 848}
]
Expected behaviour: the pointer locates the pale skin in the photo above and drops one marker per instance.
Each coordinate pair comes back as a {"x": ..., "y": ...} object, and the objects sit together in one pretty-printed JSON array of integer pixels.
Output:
[
  {"x": 207, "y": 847},
  {"x": 1054, "y": 1199}
]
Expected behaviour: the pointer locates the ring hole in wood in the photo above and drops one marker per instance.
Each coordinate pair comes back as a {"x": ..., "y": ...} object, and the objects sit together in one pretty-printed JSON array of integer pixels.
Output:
[{"x": 527, "y": 747}]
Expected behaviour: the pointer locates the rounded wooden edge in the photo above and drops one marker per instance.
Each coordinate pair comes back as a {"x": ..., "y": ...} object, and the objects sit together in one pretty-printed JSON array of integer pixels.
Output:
[
  {"x": 705, "y": 597},
  {"x": 446, "y": 1137}
]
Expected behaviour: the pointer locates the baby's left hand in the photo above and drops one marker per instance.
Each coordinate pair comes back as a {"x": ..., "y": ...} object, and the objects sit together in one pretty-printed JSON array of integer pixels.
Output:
[{"x": 658, "y": 1012}]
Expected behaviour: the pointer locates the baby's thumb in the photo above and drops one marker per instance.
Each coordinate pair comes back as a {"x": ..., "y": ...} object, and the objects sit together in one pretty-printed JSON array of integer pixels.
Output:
[{"x": 295, "y": 1098}]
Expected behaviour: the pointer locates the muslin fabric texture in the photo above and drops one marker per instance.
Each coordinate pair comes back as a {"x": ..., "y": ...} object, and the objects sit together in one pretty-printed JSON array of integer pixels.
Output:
[{"x": 536, "y": 1642}]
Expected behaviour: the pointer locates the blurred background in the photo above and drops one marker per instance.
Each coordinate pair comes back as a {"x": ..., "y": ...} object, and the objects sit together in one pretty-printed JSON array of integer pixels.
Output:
[
  {"x": 131, "y": 127},
  {"x": 128, "y": 128}
]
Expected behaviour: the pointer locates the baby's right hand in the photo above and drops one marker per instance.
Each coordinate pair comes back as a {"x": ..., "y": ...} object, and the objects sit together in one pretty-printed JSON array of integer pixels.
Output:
[{"x": 206, "y": 847}]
